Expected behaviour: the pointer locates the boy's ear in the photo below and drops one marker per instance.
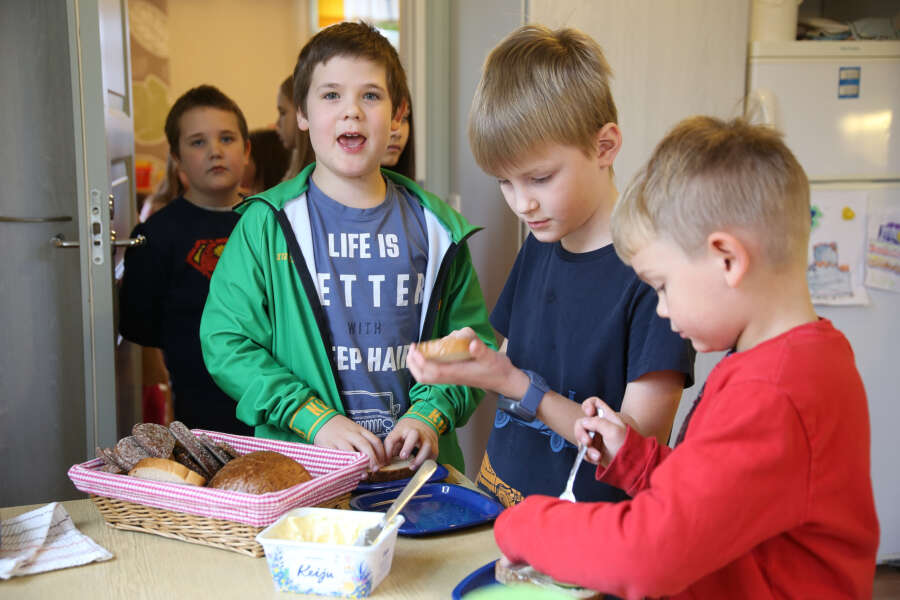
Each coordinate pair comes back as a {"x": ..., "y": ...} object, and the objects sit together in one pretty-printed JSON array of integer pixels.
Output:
[
  {"x": 302, "y": 121},
  {"x": 607, "y": 143},
  {"x": 246, "y": 151},
  {"x": 730, "y": 255}
]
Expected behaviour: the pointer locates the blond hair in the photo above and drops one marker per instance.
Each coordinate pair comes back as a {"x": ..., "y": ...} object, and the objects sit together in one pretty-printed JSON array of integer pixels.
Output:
[
  {"x": 539, "y": 86},
  {"x": 710, "y": 175}
]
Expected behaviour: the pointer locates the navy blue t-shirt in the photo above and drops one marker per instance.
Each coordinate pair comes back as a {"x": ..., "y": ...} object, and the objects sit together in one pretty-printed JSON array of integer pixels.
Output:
[{"x": 588, "y": 325}]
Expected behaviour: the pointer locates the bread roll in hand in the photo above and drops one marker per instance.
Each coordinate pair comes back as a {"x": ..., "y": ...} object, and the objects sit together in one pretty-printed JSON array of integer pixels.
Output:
[
  {"x": 446, "y": 349},
  {"x": 398, "y": 468}
]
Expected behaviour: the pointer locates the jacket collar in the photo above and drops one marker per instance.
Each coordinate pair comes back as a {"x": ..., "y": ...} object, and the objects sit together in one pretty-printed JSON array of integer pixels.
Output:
[{"x": 279, "y": 195}]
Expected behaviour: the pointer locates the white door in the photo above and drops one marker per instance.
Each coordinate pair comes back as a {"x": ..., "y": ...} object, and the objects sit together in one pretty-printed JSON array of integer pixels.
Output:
[{"x": 66, "y": 165}]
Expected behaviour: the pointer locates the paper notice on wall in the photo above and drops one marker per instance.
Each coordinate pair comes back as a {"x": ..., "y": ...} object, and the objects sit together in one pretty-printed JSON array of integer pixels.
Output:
[
  {"x": 837, "y": 243},
  {"x": 883, "y": 250}
]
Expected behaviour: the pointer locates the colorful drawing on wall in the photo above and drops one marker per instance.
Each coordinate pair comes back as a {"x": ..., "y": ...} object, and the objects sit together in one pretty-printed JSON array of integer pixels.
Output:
[
  {"x": 883, "y": 251},
  {"x": 836, "y": 247},
  {"x": 815, "y": 214}
]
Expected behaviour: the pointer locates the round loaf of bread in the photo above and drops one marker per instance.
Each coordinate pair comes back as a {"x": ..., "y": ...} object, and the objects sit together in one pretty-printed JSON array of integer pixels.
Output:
[
  {"x": 259, "y": 473},
  {"x": 446, "y": 349}
]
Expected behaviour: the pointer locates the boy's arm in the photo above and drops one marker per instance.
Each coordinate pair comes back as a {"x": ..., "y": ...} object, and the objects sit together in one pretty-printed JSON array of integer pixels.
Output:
[
  {"x": 446, "y": 407},
  {"x": 142, "y": 290},
  {"x": 706, "y": 504},
  {"x": 651, "y": 401},
  {"x": 236, "y": 336}
]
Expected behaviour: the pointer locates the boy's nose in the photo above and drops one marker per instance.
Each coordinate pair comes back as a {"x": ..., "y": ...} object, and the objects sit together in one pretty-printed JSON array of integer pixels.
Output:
[
  {"x": 525, "y": 202},
  {"x": 215, "y": 148},
  {"x": 351, "y": 111}
]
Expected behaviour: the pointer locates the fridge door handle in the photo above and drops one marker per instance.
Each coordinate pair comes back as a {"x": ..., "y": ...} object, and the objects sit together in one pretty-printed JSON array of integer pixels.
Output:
[{"x": 762, "y": 108}]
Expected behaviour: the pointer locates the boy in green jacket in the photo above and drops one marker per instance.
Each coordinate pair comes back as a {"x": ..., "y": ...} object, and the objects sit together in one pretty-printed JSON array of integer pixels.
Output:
[{"x": 328, "y": 277}]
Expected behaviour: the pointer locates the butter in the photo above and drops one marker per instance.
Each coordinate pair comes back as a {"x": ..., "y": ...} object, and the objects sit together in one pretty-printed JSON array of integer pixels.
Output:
[{"x": 318, "y": 529}]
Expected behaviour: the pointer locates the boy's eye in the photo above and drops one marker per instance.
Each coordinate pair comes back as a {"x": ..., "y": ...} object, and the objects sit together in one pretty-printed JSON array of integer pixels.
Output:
[
  {"x": 227, "y": 138},
  {"x": 542, "y": 178},
  {"x": 197, "y": 142},
  {"x": 503, "y": 182},
  {"x": 330, "y": 96},
  {"x": 371, "y": 96}
]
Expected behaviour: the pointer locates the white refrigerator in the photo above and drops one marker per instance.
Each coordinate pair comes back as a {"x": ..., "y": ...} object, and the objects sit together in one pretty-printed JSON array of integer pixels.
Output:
[{"x": 838, "y": 105}]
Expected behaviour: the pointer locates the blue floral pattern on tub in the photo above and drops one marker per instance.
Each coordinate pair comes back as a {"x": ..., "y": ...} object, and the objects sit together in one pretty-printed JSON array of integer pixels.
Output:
[{"x": 360, "y": 580}]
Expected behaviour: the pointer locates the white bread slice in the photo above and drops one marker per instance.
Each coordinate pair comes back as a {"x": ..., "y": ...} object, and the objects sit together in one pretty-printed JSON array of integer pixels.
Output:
[
  {"x": 163, "y": 469},
  {"x": 526, "y": 575},
  {"x": 398, "y": 468},
  {"x": 446, "y": 349}
]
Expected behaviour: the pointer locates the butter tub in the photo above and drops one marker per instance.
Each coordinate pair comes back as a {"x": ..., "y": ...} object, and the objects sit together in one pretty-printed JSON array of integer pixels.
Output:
[{"x": 310, "y": 551}]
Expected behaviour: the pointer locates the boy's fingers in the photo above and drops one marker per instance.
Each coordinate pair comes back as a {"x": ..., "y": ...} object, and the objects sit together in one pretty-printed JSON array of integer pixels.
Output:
[
  {"x": 423, "y": 455},
  {"x": 409, "y": 443}
]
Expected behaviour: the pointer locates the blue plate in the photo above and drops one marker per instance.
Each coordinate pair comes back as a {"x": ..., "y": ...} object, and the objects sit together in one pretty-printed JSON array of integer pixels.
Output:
[
  {"x": 436, "y": 507},
  {"x": 368, "y": 486},
  {"x": 478, "y": 578}
]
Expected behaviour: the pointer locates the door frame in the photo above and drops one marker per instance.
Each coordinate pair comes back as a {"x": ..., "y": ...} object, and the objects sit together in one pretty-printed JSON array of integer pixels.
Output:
[{"x": 92, "y": 204}]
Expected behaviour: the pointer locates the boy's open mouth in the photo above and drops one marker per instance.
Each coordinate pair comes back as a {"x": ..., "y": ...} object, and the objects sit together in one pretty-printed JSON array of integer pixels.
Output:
[{"x": 351, "y": 141}]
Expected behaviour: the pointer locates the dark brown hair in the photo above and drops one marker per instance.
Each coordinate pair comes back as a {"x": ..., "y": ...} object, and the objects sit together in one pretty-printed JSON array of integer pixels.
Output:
[
  {"x": 354, "y": 40},
  {"x": 406, "y": 164},
  {"x": 269, "y": 156},
  {"x": 202, "y": 96}
]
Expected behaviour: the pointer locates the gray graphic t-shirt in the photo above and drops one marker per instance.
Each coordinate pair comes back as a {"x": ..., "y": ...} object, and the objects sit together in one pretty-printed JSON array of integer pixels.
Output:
[{"x": 370, "y": 271}]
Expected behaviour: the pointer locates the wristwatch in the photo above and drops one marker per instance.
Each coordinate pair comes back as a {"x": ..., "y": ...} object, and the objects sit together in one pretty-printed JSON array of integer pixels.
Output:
[{"x": 526, "y": 408}]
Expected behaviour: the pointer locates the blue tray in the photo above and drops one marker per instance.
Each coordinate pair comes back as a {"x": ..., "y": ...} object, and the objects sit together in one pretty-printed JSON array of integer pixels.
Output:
[
  {"x": 480, "y": 577},
  {"x": 435, "y": 508},
  {"x": 368, "y": 486}
]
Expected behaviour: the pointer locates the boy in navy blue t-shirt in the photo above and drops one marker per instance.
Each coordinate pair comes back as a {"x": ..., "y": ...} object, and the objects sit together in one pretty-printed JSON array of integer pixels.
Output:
[{"x": 577, "y": 321}]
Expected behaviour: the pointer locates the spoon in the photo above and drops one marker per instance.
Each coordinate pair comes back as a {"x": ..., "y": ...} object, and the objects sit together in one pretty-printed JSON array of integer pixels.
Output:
[
  {"x": 568, "y": 494},
  {"x": 367, "y": 536}
]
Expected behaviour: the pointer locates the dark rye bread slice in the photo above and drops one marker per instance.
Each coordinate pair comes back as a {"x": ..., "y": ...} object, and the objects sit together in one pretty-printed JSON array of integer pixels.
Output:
[
  {"x": 187, "y": 439},
  {"x": 184, "y": 457},
  {"x": 229, "y": 450},
  {"x": 156, "y": 439},
  {"x": 210, "y": 445},
  {"x": 129, "y": 453},
  {"x": 110, "y": 465}
]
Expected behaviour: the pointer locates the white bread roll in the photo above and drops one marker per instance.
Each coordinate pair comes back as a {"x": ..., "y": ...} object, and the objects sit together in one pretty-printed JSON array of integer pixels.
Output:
[
  {"x": 163, "y": 469},
  {"x": 446, "y": 349}
]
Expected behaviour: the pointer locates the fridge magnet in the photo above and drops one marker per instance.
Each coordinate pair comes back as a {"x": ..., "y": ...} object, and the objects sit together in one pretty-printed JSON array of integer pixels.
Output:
[
  {"x": 883, "y": 251},
  {"x": 836, "y": 265}
]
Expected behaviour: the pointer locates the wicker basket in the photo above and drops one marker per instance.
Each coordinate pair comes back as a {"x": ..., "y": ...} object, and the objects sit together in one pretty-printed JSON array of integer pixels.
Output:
[{"x": 217, "y": 533}]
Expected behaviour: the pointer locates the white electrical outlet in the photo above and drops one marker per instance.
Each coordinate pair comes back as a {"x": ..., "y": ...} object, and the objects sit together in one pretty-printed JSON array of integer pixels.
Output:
[{"x": 455, "y": 201}]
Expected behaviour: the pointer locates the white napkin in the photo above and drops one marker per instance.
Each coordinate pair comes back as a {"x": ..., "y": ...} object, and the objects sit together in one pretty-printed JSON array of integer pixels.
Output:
[{"x": 43, "y": 540}]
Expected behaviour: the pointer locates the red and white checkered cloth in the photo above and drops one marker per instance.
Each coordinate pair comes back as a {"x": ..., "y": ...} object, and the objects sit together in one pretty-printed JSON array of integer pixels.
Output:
[
  {"x": 334, "y": 472},
  {"x": 43, "y": 540}
]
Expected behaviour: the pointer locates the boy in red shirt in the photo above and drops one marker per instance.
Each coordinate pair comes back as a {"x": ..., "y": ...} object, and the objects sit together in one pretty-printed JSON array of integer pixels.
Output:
[{"x": 767, "y": 493}]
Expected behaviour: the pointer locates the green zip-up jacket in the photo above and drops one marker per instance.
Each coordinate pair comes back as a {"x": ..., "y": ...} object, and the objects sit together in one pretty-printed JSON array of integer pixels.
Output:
[{"x": 264, "y": 334}]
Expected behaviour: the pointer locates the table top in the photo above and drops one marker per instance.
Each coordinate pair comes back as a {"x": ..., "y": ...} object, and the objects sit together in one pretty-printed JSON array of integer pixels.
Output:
[{"x": 151, "y": 566}]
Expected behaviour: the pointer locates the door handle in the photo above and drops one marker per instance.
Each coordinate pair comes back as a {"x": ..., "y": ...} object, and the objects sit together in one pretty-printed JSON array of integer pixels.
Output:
[{"x": 59, "y": 241}]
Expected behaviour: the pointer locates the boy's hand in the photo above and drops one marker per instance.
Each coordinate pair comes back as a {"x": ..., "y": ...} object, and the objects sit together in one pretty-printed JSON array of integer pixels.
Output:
[
  {"x": 343, "y": 434},
  {"x": 604, "y": 421},
  {"x": 412, "y": 433},
  {"x": 486, "y": 369}
]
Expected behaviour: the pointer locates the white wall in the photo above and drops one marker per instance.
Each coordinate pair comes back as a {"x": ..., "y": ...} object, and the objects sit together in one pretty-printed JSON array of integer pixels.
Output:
[
  {"x": 476, "y": 27},
  {"x": 246, "y": 49}
]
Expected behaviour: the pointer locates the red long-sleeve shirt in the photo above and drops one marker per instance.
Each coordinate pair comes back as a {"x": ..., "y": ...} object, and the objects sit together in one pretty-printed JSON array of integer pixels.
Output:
[{"x": 768, "y": 496}]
